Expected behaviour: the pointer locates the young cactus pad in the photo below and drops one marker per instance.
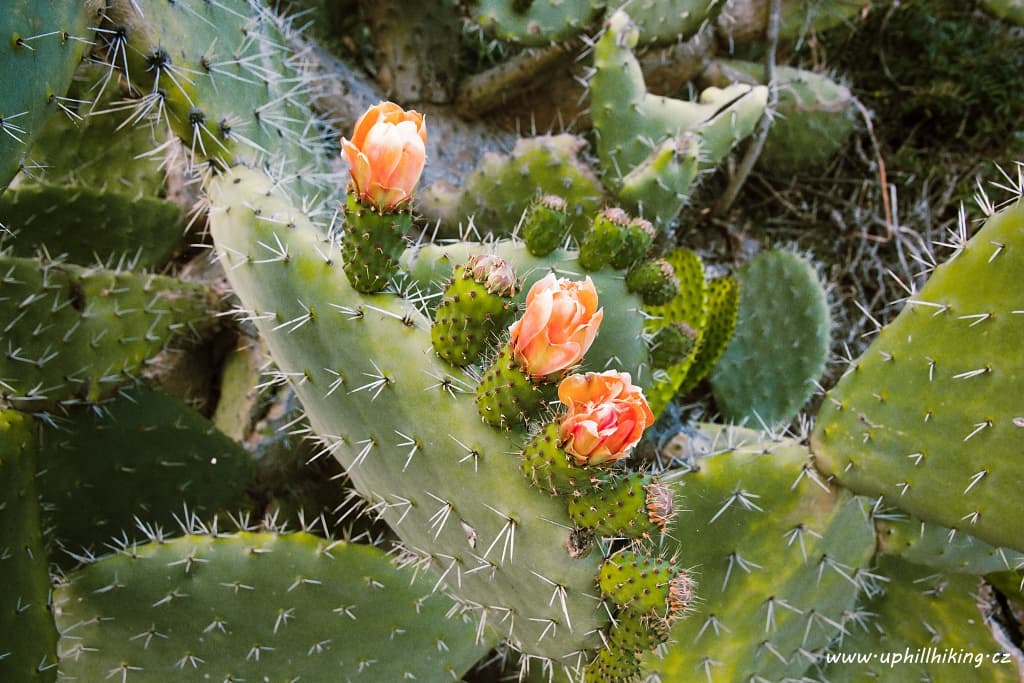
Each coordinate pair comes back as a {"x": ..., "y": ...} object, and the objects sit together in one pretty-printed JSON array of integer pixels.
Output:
[
  {"x": 777, "y": 555},
  {"x": 405, "y": 426},
  {"x": 931, "y": 416},
  {"x": 257, "y": 607}
]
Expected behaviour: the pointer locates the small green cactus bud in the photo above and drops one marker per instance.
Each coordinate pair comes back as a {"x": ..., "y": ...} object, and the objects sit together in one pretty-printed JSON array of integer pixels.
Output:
[
  {"x": 372, "y": 244},
  {"x": 549, "y": 467},
  {"x": 633, "y": 506},
  {"x": 606, "y": 237},
  {"x": 644, "y": 585},
  {"x": 506, "y": 396},
  {"x": 655, "y": 281},
  {"x": 494, "y": 273},
  {"x": 546, "y": 223},
  {"x": 672, "y": 344},
  {"x": 476, "y": 306},
  {"x": 640, "y": 234}
]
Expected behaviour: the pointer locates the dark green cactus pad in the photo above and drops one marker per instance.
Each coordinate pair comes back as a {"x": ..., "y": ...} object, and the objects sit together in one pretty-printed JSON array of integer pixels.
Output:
[
  {"x": 631, "y": 123},
  {"x": 922, "y": 617},
  {"x": 689, "y": 308},
  {"x": 406, "y": 428},
  {"x": 28, "y": 637},
  {"x": 778, "y": 556},
  {"x": 76, "y": 334},
  {"x": 86, "y": 225},
  {"x": 498, "y": 192},
  {"x": 145, "y": 456},
  {"x": 946, "y": 550},
  {"x": 41, "y": 44},
  {"x": 931, "y": 416},
  {"x": 224, "y": 79},
  {"x": 534, "y": 22},
  {"x": 746, "y": 20},
  {"x": 469, "y": 320},
  {"x": 255, "y": 607},
  {"x": 372, "y": 243},
  {"x": 814, "y": 115},
  {"x": 619, "y": 344},
  {"x": 781, "y": 343}
]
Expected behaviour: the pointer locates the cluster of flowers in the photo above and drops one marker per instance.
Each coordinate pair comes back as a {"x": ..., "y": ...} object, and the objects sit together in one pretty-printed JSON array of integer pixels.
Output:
[{"x": 606, "y": 414}]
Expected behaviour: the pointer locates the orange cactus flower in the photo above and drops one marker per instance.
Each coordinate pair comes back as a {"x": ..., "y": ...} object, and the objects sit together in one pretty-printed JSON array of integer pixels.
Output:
[
  {"x": 386, "y": 155},
  {"x": 606, "y": 416},
  {"x": 559, "y": 325}
]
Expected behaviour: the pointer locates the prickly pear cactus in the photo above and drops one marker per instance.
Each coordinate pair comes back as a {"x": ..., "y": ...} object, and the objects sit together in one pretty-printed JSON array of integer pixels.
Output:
[
  {"x": 258, "y": 606},
  {"x": 915, "y": 420}
]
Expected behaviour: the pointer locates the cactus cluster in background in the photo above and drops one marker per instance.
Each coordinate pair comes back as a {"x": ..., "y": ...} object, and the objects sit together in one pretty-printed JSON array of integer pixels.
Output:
[{"x": 265, "y": 417}]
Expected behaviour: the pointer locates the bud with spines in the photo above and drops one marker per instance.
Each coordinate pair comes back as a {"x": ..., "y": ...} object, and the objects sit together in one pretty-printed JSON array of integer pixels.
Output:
[
  {"x": 547, "y": 465},
  {"x": 639, "y": 237},
  {"x": 546, "y": 224},
  {"x": 646, "y": 586},
  {"x": 634, "y": 505},
  {"x": 372, "y": 244},
  {"x": 607, "y": 235},
  {"x": 476, "y": 305},
  {"x": 655, "y": 281}
]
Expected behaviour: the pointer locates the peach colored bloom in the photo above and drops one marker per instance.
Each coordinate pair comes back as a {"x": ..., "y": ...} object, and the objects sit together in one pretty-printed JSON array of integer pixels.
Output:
[
  {"x": 606, "y": 416},
  {"x": 386, "y": 155},
  {"x": 558, "y": 327}
]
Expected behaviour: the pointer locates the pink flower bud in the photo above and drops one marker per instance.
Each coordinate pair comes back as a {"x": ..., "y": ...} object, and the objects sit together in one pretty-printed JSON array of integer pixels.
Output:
[
  {"x": 606, "y": 416},
  {"x": 559, "y": 325},
  {"x": 386, "y": 155},
  {"x": 494, "y": 273}
]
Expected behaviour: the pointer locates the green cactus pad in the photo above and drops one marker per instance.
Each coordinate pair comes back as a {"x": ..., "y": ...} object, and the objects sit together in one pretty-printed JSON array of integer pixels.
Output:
[
  {"x": 534, "y": 22},
  {"x": 778, "y": 556},
  {"x": 631, "y": 122},
  {"x": 814, "y": 115},
  {"x": 545, "y": 225},
  {"x": 93, "y": 468},
  {"x": 943, "y": 549},
  {"x": 931, "y": 623},
  {"x": 634, "y": 505},
  {"x": 371, "y": 245},
  {"x": 723, "y": 313},
  {"x": 780, "y": 345},
  {"x": 930, "y": 416},
  {"x": 657, "y": 187},
  {"x": 76, "y": 334},
  {"x": 406, "y": 427},
  {"x": 689, "y": 308},
  {"x": 498, "y": 192},
  {"x": 606, "y": 237},
  {"x": 258, "y": 606},
  {"x": 469, "y": 319},
  {"x": 668, "y": 21},
  {"x": 28, "y": 638},
  {"x": 88, "y": 226},
  {"x": 655, "y": 281},
  {"x": 41, "y": 44},
  {"x": 225, "y": 80}
]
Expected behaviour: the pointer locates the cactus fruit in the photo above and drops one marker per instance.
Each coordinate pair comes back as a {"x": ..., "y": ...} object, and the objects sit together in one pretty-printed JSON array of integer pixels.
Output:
[
  {"x": 814, "y": 116},
  {"x": 258, "y": 606},
  {"x": 947, "y": 636},
  {"x": 42, "y": 42},
  {"x": 142, "y": 440},
  {"x": 545, "y": 224},
  {"x": 87, "y": 226},
  {"x": 929, "y": 417},
  {"x": 781, "y": 343},
  {"x": 605, "y": 238},
  {"x": 476, "y": 306},
  {"x": 425, "y": 459},
  {"x": 99, "y": 328},
  {"x": 28, "y": 639},
  {"x": 779, "y": 557}
]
